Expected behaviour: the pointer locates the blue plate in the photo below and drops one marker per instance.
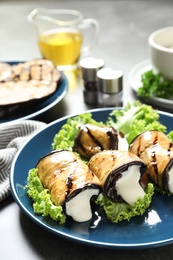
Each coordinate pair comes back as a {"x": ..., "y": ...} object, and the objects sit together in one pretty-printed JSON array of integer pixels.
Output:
[
  {"x": 42, "y": 106},
  {"x": 154, "y": 228}
]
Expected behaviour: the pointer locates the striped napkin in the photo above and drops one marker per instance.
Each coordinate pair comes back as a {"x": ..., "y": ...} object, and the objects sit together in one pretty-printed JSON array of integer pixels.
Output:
[{"x": 12, "y": 137}]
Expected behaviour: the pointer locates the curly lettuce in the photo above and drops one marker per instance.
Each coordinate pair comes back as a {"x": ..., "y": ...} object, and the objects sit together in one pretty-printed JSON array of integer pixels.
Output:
[
  {"x": 64, "y": 139},
  {"x": 134, "y": 119},
  {"x": 154, "y": 85},
  {"x": 117, "y": 212},
  {"x": 42, "y": 203},
  {"x": 170, "y": 136}
]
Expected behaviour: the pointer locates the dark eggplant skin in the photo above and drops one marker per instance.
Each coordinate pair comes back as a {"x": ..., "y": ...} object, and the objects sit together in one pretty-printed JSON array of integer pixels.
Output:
[
  {"x": 108, "y": 166},
  {"x": 65, "y": 175},
  {"x": 20, "y": 109},
  {"x": 23, "y": 72},
  {"x": 156, "y": 150}
]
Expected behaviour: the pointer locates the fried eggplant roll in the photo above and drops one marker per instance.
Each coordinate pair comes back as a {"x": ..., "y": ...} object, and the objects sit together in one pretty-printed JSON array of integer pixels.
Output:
[
  {"x": 122, "y": 175},
  {"x": 70, "y": 182},
  {"x": 156, "y": 150},
  {"x": 92, "y": 139}
]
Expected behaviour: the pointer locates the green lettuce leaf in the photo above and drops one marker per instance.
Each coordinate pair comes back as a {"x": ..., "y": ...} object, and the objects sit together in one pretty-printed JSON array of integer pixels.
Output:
[
  {"x": 135, "y": 119},
  {"x": 170, "y": 136},
  {"x": 117, "y": 212},
  {"x": 42, "y": 203},
  {"x": 154, "y": 85},
  {"x": 64, "y": 139}
]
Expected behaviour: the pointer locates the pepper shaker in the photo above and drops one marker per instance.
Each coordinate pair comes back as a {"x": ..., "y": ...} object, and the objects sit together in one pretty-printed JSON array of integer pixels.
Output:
[
  {"x": 110, "y": 87},
  {"x": 89, "y": 67}
]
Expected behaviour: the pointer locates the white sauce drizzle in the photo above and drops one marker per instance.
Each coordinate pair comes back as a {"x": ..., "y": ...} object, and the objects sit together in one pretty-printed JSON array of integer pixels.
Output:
[
  {"x": 128, "y": 186},
  {"x": 79, "y": 207}
]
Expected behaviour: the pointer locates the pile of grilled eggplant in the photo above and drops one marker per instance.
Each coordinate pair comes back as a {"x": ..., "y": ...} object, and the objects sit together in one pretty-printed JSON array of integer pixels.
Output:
[{"x": 25, "y": 84}]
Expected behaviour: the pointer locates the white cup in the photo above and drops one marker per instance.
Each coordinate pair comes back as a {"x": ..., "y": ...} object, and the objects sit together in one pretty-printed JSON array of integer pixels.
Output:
[{"x": 161, "y": 52}]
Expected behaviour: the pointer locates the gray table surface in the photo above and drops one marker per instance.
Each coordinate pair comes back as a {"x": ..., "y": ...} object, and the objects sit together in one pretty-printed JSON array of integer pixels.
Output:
[{"x": 125, "y": 27}]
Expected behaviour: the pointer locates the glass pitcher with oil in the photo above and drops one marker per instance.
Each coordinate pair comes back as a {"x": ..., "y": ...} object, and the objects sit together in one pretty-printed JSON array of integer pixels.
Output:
[{"x": 64, "y": 35}]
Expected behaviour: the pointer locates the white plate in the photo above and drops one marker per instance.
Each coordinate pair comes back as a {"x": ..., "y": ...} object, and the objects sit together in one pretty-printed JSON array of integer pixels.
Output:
[{"x": 135, "y": 83}]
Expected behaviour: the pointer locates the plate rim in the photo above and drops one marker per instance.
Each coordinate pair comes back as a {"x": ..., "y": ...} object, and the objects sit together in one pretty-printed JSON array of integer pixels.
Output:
[
  {"x": 35, "y": 218},
  {"x": 45, "y": 108},
  {"x": 142, "y": 64}
]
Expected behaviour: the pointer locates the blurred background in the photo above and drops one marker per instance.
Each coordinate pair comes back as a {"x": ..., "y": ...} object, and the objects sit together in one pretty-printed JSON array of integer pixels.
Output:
[{"x": 117, "y": 22}]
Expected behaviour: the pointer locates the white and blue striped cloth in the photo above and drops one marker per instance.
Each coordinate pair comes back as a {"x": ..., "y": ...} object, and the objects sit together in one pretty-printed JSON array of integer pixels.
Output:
[{"x": 12, "y": 137}]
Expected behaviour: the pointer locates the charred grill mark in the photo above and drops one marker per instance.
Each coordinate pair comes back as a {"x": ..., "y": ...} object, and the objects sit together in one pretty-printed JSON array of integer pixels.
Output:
[
  {"x": 113, "y": 136},
  {"x": 93, "y": 138},
  {"x": 78, "y": 144},
  {"x": 29, "y": 69},
  {"x": 43, "y": 68},
  {"x": 154, "y": 162},
  {"x": 155, "y": 141},
  {"x": 69, "y": 184},
  {"x": 170, "y": 145},
  {"x": 139, "y": 147},
  {"x": 70, "y": 177},
  {"x": 169, "y": 149},
  {"x": 29, "y": 73},
  {"x": 18, "y": 76},
  {"x": 121, "y": 134},
  {"x": 153, "y": 145},
  {"x": 153, "y": 155}
]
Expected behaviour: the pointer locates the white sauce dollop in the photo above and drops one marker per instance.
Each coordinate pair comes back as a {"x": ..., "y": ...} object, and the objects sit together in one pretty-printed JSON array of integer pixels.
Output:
[
  {"x": 128, "y": 186},
  {"x": 170, "y": 180},
  {"x": 122, "y": 144},
  {"x": 79, "y": 207}
]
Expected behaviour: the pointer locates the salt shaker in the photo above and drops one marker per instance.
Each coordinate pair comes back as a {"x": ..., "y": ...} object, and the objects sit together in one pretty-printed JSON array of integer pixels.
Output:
[
  {"x": 89, "y": 67},
  {"x": 110, "y": 87}
]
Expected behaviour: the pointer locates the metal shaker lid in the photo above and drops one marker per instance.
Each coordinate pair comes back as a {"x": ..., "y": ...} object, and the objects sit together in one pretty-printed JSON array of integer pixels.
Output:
[
  {"x": 110, "y": 80},
  {"x": 89, "y": 67}
]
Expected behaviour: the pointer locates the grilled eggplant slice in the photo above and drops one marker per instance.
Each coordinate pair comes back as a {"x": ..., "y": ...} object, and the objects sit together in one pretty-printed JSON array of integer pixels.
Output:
[
  {"x": 70, "y": 182},
  {"x": 156, "y": 150},
  {"x": 25, "y": 85},
  {"x": 122, "y": 175},
  {"x": 92, "y": 139},
  {"x": 5, "y": 71}
]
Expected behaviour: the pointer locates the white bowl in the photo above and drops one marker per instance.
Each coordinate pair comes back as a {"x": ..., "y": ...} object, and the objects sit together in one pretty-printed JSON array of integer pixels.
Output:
[{"x": 161, "y": 51}]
